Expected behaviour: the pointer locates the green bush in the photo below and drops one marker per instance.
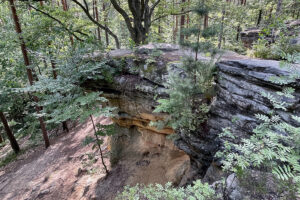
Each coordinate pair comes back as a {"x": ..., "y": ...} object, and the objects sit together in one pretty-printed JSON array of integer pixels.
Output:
[
  {"x": 188, "y": 87},
  {"x": 197, "y": 191},
  {"x": 262, "y": 48}
]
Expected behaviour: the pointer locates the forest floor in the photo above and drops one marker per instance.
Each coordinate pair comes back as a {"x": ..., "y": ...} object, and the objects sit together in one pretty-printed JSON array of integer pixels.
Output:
[{"x": 66, "y": 170}]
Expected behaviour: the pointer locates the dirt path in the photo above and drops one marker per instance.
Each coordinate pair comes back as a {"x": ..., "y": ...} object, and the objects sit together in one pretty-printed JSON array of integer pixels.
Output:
[{"x": 66, "y": 170}]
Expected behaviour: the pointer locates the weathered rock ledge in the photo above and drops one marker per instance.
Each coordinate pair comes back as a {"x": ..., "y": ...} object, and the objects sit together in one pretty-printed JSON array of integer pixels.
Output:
[
  {"x": 239, "y": 88},
  {"x": 135, "y": 90}
]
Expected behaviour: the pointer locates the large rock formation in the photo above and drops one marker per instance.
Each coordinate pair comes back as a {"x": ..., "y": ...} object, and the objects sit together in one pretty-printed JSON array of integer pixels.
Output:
[
  {"x": 239, "y": 88},
  {"x": 135, "y": 90}
]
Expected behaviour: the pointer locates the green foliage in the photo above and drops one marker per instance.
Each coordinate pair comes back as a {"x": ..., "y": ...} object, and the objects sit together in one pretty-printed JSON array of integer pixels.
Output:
[
  {"x": 199, "y": 38},
  {"x": 197, "y": 191},
  {"x": 274, "y": 144},
  {"x": 102, "y": 130},
  {"x": 265, "y": 49},
  {"x": 187, "y": 87},
  {"x": 10, "y": 157}
]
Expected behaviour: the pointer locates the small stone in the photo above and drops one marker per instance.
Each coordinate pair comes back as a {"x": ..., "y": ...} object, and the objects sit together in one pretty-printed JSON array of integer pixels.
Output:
[
  {"x": 43, "y": 193},
  {"x": 143, "y": 163},
  {"x": 80, "y": 171}
]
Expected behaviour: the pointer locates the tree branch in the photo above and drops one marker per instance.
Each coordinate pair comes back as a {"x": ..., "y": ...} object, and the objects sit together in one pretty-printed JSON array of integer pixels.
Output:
[
  {"x": 124, "y": 14},
  {"x": 166, "y": 15},
  {"x": 153, "y": 7},
  {"x": 62, "y": 24},
  {"x": 97, "y": 23}
]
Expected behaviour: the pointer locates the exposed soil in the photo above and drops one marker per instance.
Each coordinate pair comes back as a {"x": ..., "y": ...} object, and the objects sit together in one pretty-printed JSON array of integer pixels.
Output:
[
  {"x": 70, "y": 170},
  {"x": 66, "y": 170}
]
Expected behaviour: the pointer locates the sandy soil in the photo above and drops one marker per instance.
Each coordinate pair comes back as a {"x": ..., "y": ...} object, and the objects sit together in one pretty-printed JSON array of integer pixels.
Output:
[
  {"x": 66, "y": 170},
  {"x": 69, "y": 170}
]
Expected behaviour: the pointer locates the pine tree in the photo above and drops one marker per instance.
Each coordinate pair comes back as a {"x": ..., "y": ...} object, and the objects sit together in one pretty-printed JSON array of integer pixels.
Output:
[
  {"x": 189, "y": 84},
  {"x": 200, "y": 37}
]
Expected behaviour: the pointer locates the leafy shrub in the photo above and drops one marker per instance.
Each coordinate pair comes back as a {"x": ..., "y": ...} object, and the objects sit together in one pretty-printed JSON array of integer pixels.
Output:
[
  {"x": 263, "y": 49},
  {"x": 197, "y": 191}
]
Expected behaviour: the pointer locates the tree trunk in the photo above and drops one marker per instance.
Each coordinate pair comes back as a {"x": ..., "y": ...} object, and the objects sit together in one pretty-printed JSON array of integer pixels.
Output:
[
  {"x": 222, "y": 27},
  {"x": 278, "y": 9},
  {"x": 27, "y": 63},
  {"x": 174, "y": 23},
  {"x": 99, "y": 147},
  {"x": 1, "y": 139},
  {"x": 238, "y": 30},
  {"x": 188, "y": 18},
  {"x": 97, "y": 19},
  {"x": 175, "y": 29},
  {"x": 105, "y": 22},
  {"x": 64, "y": 4},
  {"x": 65, "y": 8},
  {"x": 205, "y": 21},
  {"x": 53, "y": 65},
  {"x": 182, "y": 22},
  {"x": 13, "y": 142},
  {"x": 259, "y": 17}
]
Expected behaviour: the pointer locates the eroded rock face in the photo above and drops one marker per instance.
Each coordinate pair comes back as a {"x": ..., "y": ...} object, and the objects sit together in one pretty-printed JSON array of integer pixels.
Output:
[
  {"x": 134, "y": 92},
  {"x": 239, "y": 87},
  {"x": 150, "y": 156}
]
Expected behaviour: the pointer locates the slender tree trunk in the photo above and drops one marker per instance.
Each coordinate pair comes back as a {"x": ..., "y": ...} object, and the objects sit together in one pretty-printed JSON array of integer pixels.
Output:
[
  {"x": 188, "y": 18},
  {"x": 27, "y": 63},
  {"x": 64, "y": 4},
  {"x": 176, "y": 29},
  {"x": 243, "y": 2},
  {"x": 159, "y": 27},
  {"x": 1, "y": 139},
  {"x": 205, "y": 21},
  {"x": 97, "y": 19},
  {"x": 238, "y": 30},
  {"x": 197, "y": 49},
  {"x": 173, "y": 22},
  {"x": 182, "y": 23},
  {"x": 101, "y": 154},
  {"x": 53, "y": 68},
  {"x": 259, "y": 17},
  {"x": 222, "y": 28},
  {"x": 65, "y": 8},
  {"x": 105, "y": 22},
  {"x": 54, "y": 72},
  {"x": 278, "y": 9},
  {"x": 13, "y": 142},
  {"x": 53, "y": 65}
]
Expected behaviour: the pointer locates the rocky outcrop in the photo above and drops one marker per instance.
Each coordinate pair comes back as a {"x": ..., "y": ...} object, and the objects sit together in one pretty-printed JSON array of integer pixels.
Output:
[
  {"x": 135, "y": 89},
  {"x": 239, "y": 88},
  {"x": 251, "y": 35},
  {"x": 150, "y": 155}
]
